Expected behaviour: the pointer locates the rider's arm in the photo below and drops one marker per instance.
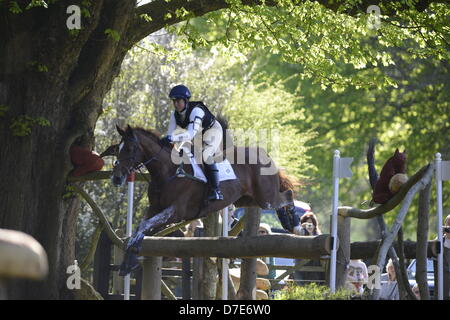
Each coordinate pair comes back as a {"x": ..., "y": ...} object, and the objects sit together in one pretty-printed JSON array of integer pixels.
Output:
[
  {"x": 172, "y": 124},
  {"x": 195, "y": 124}
]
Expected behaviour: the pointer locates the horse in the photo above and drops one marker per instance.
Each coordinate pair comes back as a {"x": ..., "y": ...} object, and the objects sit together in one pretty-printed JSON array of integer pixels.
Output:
[{"x": 173, "y": 199}]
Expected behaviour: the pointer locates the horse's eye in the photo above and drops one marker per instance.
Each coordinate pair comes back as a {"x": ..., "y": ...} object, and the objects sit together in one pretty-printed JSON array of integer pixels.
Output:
[{"x": 115, "y": 163}]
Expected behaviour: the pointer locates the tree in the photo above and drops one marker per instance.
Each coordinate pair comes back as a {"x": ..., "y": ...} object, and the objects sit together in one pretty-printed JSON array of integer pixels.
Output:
[{"x": 53, "y": 81}]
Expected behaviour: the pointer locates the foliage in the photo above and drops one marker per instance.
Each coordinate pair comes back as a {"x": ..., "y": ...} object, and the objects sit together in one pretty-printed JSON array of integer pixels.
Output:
[
  {"x": 3, "y": 110},
  {"x": 323, "y": 79},
  {"x": 286, "y": 144},
  {"x": 330, "y": 46},
  {"x": 22, "y": 125},
  {"x": 310, "y": 291},
  {"x": 113, "y": 34}
]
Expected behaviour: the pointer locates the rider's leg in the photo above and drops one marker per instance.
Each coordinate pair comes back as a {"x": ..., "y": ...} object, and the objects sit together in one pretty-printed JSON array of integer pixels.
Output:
[{"x": 212, "y": 139}]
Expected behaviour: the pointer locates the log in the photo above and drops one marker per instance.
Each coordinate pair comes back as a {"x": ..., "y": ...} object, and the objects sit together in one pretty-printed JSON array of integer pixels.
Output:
[
  {"x": 422, "y": 237},
  {"x": 343, "y": 252},
  {"x": 209, "y": 277},
  {"x": 367, "y": 249},
  {"x": 101, "y": 216},
  {"x": 276, "y": 245},
  {"x": 151, "y": 278},
  {"x": 391, "y": 204},
  {"x": 105, "y": 175},
  {"x": 247, "y": 287}
]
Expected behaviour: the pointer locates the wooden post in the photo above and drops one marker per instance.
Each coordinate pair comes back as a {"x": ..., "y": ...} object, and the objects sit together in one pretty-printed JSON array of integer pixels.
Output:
[
  {"x": 422, "y": 242},
  {"x": 343, "y": 251},
  {"x": 208, "y": 286},
  {"x": 197, "y": 269},
  {"x": 102, "y": 260},
  {"x": 186, "y": 278},
  {"x": 3, "y": 294},
  {"x": 247, "y": 287},
  {"x": 118, "y": 253},
  {"x": 151, "y": 278},
  {"x": 138, "y": 286}
]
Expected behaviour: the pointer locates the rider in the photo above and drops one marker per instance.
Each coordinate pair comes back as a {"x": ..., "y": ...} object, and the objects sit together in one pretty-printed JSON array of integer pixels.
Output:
[{"x": 194, "y": 116}]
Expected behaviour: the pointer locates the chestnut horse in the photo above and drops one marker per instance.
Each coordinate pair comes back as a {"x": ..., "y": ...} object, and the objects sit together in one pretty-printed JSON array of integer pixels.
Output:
[{"x": 176, "y": 199}]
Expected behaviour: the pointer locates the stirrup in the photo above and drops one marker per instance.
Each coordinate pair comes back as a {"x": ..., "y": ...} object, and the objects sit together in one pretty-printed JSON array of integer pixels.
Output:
[
  {"x": 180, "y": 173},
  {"x": 215, "y": 195}
]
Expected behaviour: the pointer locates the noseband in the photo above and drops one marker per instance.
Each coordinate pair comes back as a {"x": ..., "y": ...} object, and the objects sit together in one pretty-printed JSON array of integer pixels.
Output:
[{"x": 140, "y": 165}]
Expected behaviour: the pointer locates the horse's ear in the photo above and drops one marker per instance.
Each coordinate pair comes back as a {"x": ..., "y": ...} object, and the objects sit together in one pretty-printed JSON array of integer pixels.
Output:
[
  {"x": 130, "y": 132},
  {"x": 120, "y": 130}
]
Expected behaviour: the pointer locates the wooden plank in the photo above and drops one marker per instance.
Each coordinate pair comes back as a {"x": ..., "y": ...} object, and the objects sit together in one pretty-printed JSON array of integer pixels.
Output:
[
  {"x": 279, "y": 245},
  {"x": 151, "y": 278},
  {"x": 247, "y": 286},
  {"x": 102, "y": 260}
]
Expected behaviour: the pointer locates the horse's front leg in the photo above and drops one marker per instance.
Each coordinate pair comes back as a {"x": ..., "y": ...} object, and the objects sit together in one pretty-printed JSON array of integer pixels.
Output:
[
  {"x": 146, "y": 227},
  {"x": 158, "y": 220}
]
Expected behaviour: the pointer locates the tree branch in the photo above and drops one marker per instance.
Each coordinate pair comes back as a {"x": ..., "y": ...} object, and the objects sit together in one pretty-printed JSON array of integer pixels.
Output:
[
  {"x": 103, "y": 220},
  {"x": 387, "y": 243},
  {"x": 163, "y": 13},
  {"x": 422, "y": 242},
  {"x": 392, "y": 203}
]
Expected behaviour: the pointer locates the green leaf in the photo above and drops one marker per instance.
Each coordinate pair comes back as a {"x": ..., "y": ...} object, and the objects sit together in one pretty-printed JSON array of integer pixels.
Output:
[
  {"x": 113, "y": 34},
  {"x": 14, "y": 7},
  {"x": 37, "y": 3},
  {"x": 3, "y": 110},
  {"x": 146, "y": 17}
]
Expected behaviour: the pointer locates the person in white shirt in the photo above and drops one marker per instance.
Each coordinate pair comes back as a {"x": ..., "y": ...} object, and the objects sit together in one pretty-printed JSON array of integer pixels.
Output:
[
  {"x": 389, "y": 285},
  {"x": 447, "y": 232},
  {"x": 196, "y": 118},
  {"x": 357, "y": 276}
]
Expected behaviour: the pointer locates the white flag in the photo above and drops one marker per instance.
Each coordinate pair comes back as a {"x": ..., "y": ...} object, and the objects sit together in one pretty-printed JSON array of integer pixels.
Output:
[
  {"x": 445, "y": 170},
  {"x": 344, "y": 168}
]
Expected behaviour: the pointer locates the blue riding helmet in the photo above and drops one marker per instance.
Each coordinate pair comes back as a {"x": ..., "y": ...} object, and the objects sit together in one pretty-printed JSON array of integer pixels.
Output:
[{"x": 180, "y": 92}]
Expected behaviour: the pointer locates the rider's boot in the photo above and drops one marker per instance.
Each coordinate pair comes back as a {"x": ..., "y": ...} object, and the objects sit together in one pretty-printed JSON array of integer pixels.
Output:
[{"x": 212, "y": 174}]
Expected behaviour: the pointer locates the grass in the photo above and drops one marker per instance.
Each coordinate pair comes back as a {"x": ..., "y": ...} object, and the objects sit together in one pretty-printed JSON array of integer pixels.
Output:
[{"x": 311, "y": 291}]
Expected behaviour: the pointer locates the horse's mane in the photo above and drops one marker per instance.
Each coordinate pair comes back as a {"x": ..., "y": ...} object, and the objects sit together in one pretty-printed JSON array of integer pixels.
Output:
[{"x": 153, "y": 133}]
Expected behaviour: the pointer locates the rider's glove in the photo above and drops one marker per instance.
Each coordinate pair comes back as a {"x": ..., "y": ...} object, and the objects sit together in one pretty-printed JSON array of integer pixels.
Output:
[{"x": 166, "y": 141}]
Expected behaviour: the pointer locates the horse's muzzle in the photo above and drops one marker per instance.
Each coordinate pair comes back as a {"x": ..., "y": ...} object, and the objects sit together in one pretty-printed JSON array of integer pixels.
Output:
[{"x": 117, "y": 181}]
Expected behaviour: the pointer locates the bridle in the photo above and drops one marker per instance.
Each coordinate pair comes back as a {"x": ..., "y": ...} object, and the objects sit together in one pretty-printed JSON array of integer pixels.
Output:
[{"x": 140, "y": 165}]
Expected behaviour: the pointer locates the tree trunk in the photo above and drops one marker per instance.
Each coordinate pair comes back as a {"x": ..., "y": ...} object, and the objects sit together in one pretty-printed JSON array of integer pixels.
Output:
[{"x": 51, "y": 85}]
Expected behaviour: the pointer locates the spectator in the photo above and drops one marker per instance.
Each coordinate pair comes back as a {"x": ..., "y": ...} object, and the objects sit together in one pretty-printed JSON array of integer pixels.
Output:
[
  {"x": 446, "y": 241},
  {"x": 191, "y": 227},
  {"x": 416, "y": 291},
  {"x": 265, "y": 229},
  {"x": 357, "y": 276},
  {"x": 447, "y": 234},
  {"x": 309, "y": 226},
  {"x": 389, "y": 285}
]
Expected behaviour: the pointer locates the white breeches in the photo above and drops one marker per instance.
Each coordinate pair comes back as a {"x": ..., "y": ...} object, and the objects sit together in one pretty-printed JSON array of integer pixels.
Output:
[{"x": 212, "y": 139}]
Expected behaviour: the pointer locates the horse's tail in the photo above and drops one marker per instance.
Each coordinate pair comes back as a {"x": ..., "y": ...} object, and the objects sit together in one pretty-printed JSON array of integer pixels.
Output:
[
  {"x": 287, "y": 182},
  {"x": 227, "y": 140},
  {"x": 223, "y": 122}
]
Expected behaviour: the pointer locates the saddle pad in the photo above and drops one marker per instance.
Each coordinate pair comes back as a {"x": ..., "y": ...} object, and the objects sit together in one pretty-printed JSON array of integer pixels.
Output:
[{"x": 226, "y": 171}]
